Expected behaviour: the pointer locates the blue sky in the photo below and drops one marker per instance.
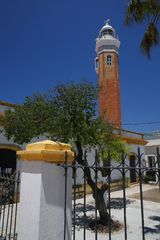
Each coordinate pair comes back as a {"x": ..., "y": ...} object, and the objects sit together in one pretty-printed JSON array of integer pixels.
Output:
[{"x": 46, "y": 42}]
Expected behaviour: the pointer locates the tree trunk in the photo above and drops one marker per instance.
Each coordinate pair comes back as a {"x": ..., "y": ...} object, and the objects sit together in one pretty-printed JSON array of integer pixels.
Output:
[
  {"x": 102, "y": 208},
  {"x": 98, "y": 193}
]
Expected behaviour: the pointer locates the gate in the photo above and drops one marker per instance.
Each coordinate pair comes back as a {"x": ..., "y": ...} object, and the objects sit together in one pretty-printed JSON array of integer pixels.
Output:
[
  {"x": 9, "y": 188},
  {"x": 105, "y": 214}
]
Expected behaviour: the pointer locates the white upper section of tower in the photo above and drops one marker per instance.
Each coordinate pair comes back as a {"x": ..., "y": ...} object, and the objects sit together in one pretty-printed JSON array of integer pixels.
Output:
[{"x": 107, "y": 40}]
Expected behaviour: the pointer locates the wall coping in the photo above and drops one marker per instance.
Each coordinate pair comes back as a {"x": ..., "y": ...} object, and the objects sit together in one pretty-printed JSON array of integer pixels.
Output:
[
  {"x": 46, "y": 151},
  {"x": 10, "y": 147}
]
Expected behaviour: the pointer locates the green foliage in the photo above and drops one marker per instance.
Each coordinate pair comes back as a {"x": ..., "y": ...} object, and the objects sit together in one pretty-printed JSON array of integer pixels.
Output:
[
  {"x": 150, "y": 176},
  {"x": 66, "y": 113},
  {"x": 29, "y": 120},
  {"x": 75, "y": 106},
  {"x": 139, "y": 11},
  {"x": 108, "y": 144},
  {"x": 150, "y": 38}
]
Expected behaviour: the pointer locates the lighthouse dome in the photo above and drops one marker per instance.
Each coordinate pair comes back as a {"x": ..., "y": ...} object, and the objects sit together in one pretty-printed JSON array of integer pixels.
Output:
[
  {"x": 107, "y": 40},
  {"x": 107, "y": 30}
]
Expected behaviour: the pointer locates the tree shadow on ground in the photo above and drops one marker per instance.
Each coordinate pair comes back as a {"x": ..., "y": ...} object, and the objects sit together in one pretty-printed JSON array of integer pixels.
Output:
[
  {"x": 155, "y": 218},
  {"x": 156, "y": 228},
  {"x": 118, "y": 203},
  {"x": 115, "y": 203},
  {"x": 84, "y": 215}
]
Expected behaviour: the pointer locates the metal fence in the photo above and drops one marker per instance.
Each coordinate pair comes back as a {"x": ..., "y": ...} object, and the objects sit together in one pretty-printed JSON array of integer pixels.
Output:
[
  {"x": 9, "y": 188},
  {"x": 93, "y": 214}
]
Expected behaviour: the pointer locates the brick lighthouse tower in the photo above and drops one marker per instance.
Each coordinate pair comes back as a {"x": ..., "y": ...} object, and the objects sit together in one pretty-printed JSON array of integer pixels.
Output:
[{"x": 107, "y": 68}]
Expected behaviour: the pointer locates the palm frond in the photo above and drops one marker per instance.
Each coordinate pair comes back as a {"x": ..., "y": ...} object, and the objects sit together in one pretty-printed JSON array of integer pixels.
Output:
[
  {"x": 151, "y": 38},
  {"x": 135, "y": 12},
  {"x": 142, "y": 10}
]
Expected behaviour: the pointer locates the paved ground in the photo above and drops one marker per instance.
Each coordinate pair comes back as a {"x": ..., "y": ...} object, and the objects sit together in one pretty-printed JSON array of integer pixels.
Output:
[
  {"x": 134, "y": 229},
  {"x": 149, "y": 195}
]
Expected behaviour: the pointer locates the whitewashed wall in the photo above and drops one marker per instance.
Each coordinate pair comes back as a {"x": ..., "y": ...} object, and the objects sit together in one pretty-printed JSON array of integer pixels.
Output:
[{"x": 116, "y": 175}]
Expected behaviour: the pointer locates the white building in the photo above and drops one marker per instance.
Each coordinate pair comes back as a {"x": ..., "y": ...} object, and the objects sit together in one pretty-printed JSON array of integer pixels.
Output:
[{"x": 151, "y": 160}]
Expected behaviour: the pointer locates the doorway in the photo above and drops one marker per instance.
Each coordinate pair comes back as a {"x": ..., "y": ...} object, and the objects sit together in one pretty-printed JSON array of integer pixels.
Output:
[
  {"x": 132, "y": 159},
  {"x": 7, "y": 160}
]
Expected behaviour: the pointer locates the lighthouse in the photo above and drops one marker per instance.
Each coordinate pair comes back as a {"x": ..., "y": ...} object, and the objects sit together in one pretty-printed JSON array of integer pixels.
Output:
[{"x": 107, "y": 68}]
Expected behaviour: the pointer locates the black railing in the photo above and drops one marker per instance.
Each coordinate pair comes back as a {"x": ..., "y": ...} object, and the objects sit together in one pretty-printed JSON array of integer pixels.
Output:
[
  {"x": 98, "y": 221},
  {"x": 9, "y": 197}
]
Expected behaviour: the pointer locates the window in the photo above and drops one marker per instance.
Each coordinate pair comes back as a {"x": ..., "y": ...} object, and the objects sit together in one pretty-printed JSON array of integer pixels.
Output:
[
  {"x": 107, "y": 32},
  {"x": 96, "y": 63},
  {"x": 109, "y": 60},
  {"x": 151, "y": 162}
]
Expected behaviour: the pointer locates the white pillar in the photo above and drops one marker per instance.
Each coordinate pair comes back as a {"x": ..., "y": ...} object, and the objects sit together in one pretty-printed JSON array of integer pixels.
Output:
[{"x": 42, "y": 195}]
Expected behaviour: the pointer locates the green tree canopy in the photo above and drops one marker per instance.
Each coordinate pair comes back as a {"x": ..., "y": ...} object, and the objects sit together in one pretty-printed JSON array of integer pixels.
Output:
[
  {"x": 148, "y": 11},
  {"x": 67, "y": 113}
]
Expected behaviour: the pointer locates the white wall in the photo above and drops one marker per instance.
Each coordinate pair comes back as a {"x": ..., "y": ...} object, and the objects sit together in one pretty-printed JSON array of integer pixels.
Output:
[
  {"x": 116, "y": 174},
  {"x": 42, "y": 199}
]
